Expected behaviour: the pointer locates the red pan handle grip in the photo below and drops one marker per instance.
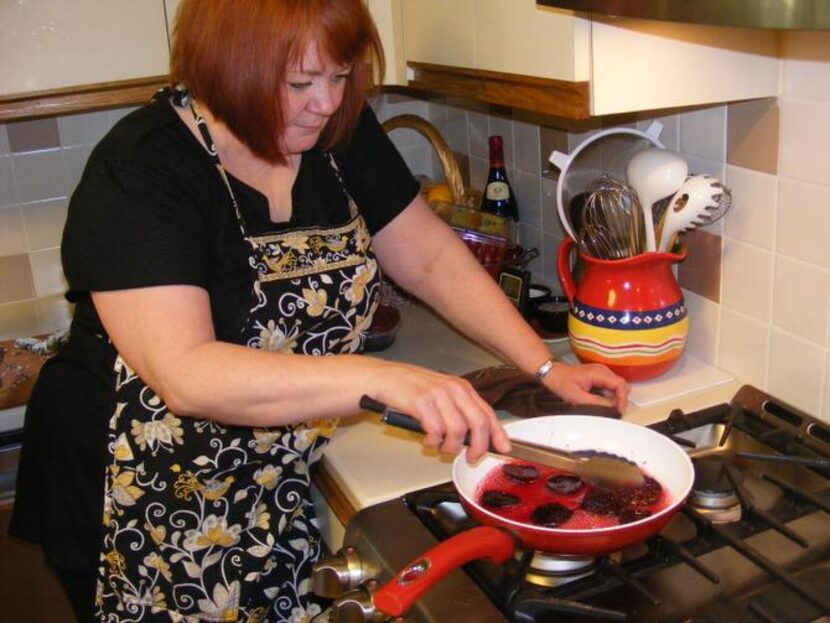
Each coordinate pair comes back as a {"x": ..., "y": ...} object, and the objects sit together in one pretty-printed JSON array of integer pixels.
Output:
[{"x": 396, "y": 596}]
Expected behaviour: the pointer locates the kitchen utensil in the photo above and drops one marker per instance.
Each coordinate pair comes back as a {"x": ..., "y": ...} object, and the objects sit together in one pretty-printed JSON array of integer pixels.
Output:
[
  {"x": 701, "y": 200},
  {"x": 602, "y": 468},
  {"x": 498, "y": 536},
  {"x": 655, "y": 173},
  {"x": 628, "y": 314},
  {"x": 607, "y": 152},
  {"x": 612, "y": 221}
]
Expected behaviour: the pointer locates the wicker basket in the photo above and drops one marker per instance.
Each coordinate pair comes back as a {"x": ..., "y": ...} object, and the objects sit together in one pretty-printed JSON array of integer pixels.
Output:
[
  {"x": 482, "y": 233},
  {"x": 452, "y": 172}
]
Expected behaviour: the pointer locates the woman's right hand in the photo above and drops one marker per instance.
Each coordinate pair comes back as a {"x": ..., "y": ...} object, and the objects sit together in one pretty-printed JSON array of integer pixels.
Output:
[{"x": 447, "y": 407}]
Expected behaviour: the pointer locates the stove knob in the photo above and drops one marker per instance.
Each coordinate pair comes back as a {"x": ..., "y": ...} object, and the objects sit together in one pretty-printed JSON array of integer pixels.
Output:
[
  {"x": 334, "y": 575},
  {"x": 356, "y": 606}
]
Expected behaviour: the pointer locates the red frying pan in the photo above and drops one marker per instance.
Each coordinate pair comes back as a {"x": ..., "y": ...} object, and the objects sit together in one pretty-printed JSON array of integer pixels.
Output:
[{"x": 498, "y": 537}]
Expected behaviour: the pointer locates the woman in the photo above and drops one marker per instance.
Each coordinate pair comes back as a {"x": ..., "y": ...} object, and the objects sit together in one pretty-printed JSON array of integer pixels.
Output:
[{"x": 223, "y": 242}]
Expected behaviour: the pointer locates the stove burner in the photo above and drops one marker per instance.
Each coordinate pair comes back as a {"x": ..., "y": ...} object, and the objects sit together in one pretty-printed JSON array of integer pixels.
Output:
[
  {"x": 552, "y": 570},
  {"x": 713, "y": 494}
]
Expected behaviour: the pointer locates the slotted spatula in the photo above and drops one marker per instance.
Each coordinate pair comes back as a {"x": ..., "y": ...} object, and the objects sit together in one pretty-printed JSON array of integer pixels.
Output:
[{"x": 599, "y": 468}]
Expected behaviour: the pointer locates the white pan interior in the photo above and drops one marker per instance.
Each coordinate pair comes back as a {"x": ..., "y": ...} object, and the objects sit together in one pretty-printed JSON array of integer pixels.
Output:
[{"x": 656, "y": 455}]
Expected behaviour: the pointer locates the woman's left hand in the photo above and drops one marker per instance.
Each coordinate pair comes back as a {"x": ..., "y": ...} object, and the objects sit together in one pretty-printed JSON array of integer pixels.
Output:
[{"x": 574, "y": 384}]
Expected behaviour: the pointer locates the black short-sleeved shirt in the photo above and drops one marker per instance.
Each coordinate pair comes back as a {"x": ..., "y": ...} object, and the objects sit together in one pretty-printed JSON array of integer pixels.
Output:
[{"x": 151, "y": 209}]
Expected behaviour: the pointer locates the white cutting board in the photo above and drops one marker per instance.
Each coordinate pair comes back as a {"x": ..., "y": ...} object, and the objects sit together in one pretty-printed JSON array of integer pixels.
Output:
[{"x": 689, "y": 375}]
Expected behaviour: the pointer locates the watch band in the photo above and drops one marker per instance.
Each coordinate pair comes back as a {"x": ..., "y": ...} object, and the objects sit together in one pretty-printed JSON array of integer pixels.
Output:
[{"x": 543, "y": 370}]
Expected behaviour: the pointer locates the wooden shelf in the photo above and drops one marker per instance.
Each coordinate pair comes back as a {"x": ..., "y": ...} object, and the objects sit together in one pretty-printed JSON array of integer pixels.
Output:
[
  {"x": 559, "y": 98},
  {"x": 77, "y": 99}
]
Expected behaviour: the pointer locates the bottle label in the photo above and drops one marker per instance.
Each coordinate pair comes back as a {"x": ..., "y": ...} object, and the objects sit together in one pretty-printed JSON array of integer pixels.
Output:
[{"x": 497, "y": 191}]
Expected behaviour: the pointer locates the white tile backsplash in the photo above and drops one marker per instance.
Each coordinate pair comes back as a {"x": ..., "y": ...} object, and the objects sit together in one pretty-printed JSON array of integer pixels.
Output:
[
  {"x": 703, "y": 133},
  {"x": 528, "y": 188},
  {"x": 805, "y": 136},
  {"x": 18, "y": 319},
  {"x": 479, "y": 130},
  {"x": 47, "y": 272},
  {"x": 74, "y": 160},
  {"x": 4, "y": 140},
  {"x": 803, "y": 230},
  {"x": 752, "y": 218},
  {"x": 793, "y": 280},
  {"x": 52, "y": 313},
  {"x": 796, "y": 371},
  {"x": 44, "y": 221},
  {"x": 744, "y": 347},
  {"x": 454, "y": 129},
  {"x": 39, "y": 175},
  {"x": 12, "y": 231},
  {"x": 526, "y": 148},
  {"x": 83, "y": 128},
  {"x": 670, "y": 136},
  {"x": 747, "y": 279},
  {"x": 7, "y": 189},
  {"x": 703, "y": 327}
]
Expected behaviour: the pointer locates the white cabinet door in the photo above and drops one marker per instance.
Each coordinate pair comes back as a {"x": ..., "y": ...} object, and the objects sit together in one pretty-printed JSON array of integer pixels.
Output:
[
  {"x": 441, "y": 32},
  {"x": 643, "y": 65},
  {"x": 388, "y": 17},
  {"x": 519, "y": 37},
  {"x": 629, "y": 65},
  {"x": 48, "y": 44}
]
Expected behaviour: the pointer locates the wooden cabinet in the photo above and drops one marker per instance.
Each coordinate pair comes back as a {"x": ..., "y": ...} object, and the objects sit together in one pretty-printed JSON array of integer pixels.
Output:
[
  {"x": 49, "y": 45},
  {"x": 516, "y": 53}
]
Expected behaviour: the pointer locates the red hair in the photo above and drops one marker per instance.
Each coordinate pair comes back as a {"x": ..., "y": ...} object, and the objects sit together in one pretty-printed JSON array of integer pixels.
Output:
[{"x": 233, "y": 55}]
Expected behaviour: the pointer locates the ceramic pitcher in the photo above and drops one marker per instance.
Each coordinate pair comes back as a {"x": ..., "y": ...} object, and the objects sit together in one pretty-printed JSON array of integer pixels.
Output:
[{"x": 628, "y": 314}]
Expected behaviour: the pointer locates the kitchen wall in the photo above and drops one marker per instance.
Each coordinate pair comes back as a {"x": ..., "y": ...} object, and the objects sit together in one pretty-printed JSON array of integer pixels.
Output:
[
  {"x": 757, "y": 284},
  {"x": 40, "y": 163}
]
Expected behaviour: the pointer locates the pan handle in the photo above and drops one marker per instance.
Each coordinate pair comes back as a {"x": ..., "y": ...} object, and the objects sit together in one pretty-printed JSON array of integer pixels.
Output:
[{"x": 396, "y": 596}]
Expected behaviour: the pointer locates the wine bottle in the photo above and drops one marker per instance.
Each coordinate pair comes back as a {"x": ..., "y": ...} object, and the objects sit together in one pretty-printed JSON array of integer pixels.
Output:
[{"x": 498, "y": 194}]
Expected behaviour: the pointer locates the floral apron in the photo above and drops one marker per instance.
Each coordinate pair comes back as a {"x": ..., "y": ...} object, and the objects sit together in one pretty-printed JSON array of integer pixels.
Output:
[{"x": 208, "y": 522}]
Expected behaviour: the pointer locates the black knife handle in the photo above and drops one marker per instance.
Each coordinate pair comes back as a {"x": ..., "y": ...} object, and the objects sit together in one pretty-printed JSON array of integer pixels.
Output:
[
  {"x": 370, "y": 404},
  {"x": 397, "y": 418}
]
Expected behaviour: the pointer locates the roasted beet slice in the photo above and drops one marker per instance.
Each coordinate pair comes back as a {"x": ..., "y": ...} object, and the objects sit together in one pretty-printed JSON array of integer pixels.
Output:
[
  {"x": 499, "y": 499},
  {"x": 550, "y": 515},
  {"x": 519, "y": 472},
  {"x": 602, "y": 502},
  {"x": 645, "y": 495},
  {"x": 565, "y": 484},
  {"x": 633, "y": 513}
]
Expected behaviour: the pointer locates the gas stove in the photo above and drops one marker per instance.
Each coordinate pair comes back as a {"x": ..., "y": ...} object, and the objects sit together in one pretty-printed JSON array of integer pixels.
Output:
[{"x": 751, "y": 544}]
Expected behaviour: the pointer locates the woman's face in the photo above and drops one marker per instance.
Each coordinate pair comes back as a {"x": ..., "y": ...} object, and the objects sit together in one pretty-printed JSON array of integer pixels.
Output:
[{"x": 312, "y": 93}]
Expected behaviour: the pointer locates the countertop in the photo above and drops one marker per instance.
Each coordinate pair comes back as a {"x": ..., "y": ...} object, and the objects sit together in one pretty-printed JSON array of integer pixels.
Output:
[{"x": 370, "y": 462}]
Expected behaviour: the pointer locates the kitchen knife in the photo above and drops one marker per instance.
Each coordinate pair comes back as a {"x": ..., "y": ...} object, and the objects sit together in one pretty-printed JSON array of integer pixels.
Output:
[{"x": 600, "y": 468}]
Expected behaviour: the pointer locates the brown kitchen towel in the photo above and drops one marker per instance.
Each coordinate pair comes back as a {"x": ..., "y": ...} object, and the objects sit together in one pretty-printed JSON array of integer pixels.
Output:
[{"x": 510, "y": 389}]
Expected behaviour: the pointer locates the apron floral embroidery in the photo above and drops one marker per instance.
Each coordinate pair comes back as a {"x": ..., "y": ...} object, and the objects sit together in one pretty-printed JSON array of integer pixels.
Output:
[{"x": 209, "y": 522}]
